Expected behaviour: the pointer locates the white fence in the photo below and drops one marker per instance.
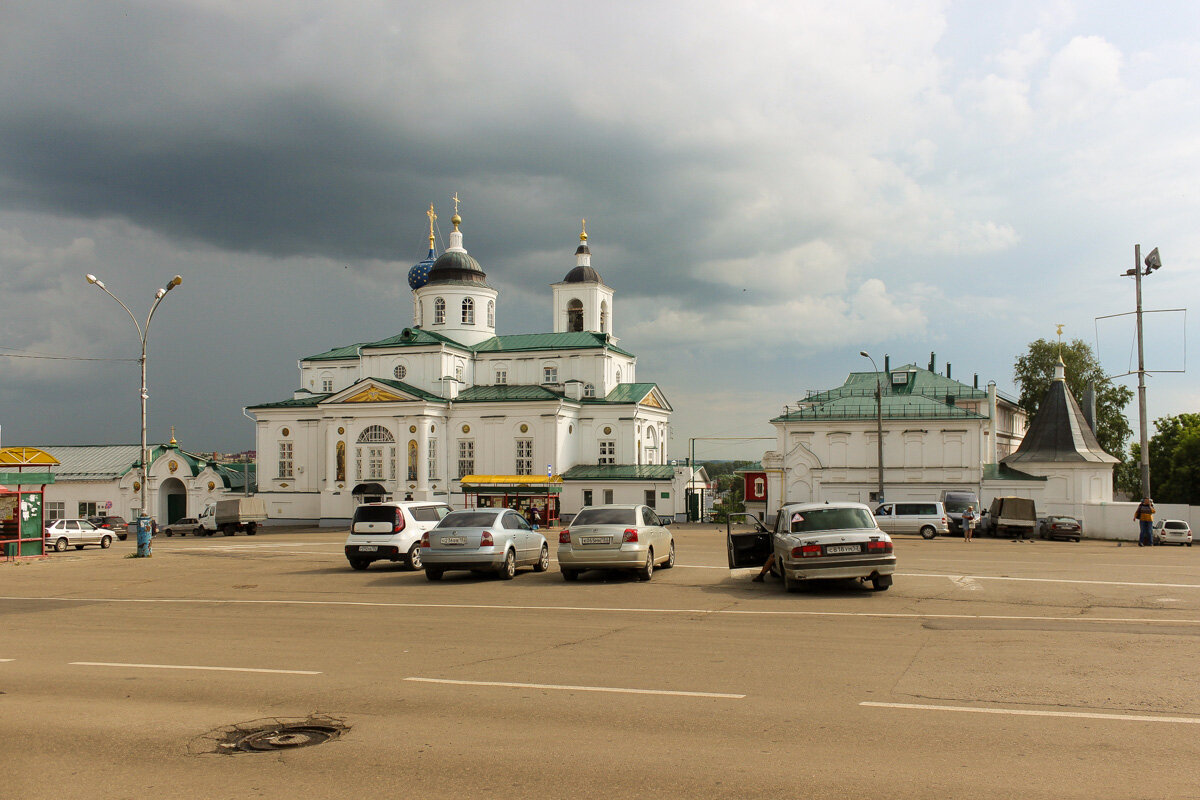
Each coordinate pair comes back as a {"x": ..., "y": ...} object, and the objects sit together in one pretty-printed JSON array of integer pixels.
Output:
[{"x": 1115, "y": 520}]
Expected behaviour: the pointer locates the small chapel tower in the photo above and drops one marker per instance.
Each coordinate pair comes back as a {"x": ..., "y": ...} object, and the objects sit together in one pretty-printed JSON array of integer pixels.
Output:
[
  {"x": 455, "y": 299},
  {"x": 581, "y": 300}
]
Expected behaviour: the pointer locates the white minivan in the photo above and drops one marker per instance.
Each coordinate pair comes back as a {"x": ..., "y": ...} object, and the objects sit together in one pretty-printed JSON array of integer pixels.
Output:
[
  {"x": 391, "y": 531},
  {"x": 926, "y": 518}
]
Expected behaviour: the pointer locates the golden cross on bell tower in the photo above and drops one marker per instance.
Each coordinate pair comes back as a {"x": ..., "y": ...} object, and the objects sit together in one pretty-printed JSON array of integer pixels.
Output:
[
  {"x": 456, "y": 219},
  {"x": 1059, "y": 326}
]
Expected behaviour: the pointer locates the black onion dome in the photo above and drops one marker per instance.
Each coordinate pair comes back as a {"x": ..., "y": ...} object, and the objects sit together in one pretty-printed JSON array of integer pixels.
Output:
[
  {"x": 583, "y": 275},
  {"x": 456, "y": 266}
]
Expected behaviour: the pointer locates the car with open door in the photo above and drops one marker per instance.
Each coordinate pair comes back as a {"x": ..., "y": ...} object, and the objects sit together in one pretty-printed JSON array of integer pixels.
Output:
[{"x": 817, "y": 541}]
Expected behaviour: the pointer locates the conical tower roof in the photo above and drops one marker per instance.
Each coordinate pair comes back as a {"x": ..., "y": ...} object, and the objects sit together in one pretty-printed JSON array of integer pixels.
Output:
[{"x": 1059, "y": 432}]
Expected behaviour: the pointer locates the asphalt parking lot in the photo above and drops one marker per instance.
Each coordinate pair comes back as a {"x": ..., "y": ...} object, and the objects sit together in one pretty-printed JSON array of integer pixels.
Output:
[{"x": 999, "y": 669}]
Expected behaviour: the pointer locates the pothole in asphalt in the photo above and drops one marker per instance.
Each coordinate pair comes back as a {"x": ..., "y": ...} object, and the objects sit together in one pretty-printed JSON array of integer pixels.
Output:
[{"x": 270, "y": 735}]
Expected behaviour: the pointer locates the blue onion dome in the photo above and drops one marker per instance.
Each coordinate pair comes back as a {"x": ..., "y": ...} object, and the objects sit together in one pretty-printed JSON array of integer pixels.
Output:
[{"x": 418, "y": 276}]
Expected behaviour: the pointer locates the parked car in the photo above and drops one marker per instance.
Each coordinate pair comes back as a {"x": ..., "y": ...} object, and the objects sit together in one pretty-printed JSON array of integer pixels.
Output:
[
  {"x": 483, "y": 540},
  {"x": 183, "y": 526},
  {"x": 925, "y": 518},
  {"x": 1060, "y": 528},
  {"x": 1172, "y": 531},
  {"x": 615, "y": 537},
  {"x": 814, "y": 541},
  {"x": 956, "y": 502},
  {"x": 391, "y": 531},
  {"x": 77, "y": 533},
  {"x": 112, "y": 522}
]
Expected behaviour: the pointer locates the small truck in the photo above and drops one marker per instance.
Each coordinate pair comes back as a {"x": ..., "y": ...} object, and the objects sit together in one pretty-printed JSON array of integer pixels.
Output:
[
  {"x": 1012, "y": 517},
  {"x": 241, "y": 514}
]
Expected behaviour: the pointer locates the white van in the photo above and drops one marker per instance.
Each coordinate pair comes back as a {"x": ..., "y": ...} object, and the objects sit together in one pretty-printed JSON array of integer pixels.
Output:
[
  {"x": 391, "y": 531},
  {"x": 926, "y": 518}
]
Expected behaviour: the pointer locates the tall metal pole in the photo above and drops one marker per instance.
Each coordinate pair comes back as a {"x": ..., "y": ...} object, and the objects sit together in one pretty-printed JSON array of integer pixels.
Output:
[
  {"x": 1145, "y": 448},
  {"x": 878, "y": 420}
]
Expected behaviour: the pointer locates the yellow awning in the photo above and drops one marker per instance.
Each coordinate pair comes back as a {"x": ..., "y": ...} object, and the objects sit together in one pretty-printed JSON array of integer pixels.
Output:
[
  {"x": 509, "y": 480},
  {"x": 25, "y": 456}
]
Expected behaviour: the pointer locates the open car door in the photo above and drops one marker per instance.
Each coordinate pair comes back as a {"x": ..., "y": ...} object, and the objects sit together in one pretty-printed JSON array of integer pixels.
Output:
[{"x": 747, "y": 541}]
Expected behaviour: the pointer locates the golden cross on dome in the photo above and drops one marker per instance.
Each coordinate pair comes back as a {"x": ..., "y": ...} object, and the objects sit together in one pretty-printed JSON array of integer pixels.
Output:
[
  {"x": 455, "y": 198},
  {"x": 583, "y": 233},
  {"x": 432, "y": 219},
  {"x": 173, "y": 435}
]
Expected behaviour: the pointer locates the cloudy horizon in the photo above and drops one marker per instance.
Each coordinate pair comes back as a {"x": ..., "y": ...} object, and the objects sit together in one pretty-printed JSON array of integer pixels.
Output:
[{"x": 769, "y": 188}]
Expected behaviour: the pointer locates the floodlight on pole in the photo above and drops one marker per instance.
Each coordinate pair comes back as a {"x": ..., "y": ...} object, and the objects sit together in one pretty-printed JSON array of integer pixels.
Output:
[{"x": 1153, "y": 262}]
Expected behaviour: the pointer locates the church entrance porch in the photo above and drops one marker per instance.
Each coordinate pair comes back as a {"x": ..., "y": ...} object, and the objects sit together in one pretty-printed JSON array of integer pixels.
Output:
[{"x": 370, "y": 493}]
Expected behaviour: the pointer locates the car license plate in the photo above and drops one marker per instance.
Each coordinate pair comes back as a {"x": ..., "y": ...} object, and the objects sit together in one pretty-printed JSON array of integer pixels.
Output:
[
  {"x": 367, "y": 548},
  {"x": 842, "y": 548},
  {"x": 595, "y": 539},
  {"x": 453, "y": 540}
]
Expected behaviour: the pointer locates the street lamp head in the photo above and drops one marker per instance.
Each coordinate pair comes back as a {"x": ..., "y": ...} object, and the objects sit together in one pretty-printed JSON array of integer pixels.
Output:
[
  {"x": 94, "y": 280},
  {"x": 174, "y": 282},
  {"x": 864, "y": 354},
  {"x": 1153, "y": 261},
  {"x": 159, "y": 294}
]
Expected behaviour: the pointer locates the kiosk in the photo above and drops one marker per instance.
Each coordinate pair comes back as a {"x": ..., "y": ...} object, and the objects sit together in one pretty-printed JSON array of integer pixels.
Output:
[{"x": 24, "y": 474}]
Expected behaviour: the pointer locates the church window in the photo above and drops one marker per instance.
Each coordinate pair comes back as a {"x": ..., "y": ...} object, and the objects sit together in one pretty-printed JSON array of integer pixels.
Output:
[
  {"x": 400, "y": 371},
  {"x": 589, "y": 390},
  {"x": 458, "y": 372},
  {"x": 412, "y": 459},
  {"x": 468, "y": 311},
  {"x": 433, "y": 467},
  {"x": 574, "y": 316},
  {"x": 501, "y": 377},
  {"x": 608, "y": 451},
  {"x": 618, "y": 374},
  {"x": 369, "y": 461},
  {"x": 439, "y": 311},
  {"x": 549, "y": 374},
  {"x": 285, "y": 459},
  {"x": 491, "y": 314},
  {"x": 608, "y": 497},
  {"x": 524, "y": 457},
  {"x": 327, "y": 385},
  {"x": 466, "y": 457},
  {"x": 375, "y": 433},
  {"x": 603, "y": 317}
]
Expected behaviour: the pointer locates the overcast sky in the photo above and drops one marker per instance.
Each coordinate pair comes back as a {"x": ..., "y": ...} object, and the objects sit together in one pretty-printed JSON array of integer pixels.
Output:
[{"x": 769, "y": 187}]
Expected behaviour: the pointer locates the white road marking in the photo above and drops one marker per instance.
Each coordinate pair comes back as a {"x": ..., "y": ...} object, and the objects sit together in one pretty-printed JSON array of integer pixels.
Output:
[
  {"x": 1025, "y": 712},
  {"x": 6, "y": 660},
  {"x": 616, "y": 610},
  {"x": 579, "y": 688},
  {"x": 964, "y": 582},
  {"x": 182, "y": 666},
  {"x": 1046, "y": 580}
]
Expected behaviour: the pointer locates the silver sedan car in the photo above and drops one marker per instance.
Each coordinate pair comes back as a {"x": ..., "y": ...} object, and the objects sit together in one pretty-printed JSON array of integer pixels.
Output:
[
  {"x": 816, "y": 541},
  {"x": 483, "y": 540},
  {"x": 615, "y": 537},
  {"x": 76, "y": 533}
]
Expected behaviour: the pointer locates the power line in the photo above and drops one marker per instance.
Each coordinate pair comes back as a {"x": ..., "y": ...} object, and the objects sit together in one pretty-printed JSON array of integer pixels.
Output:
[{"x": 58, "y": 358}]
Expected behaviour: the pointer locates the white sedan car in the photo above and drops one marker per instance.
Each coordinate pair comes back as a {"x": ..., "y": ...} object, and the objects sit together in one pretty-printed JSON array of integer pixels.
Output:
[
  {"x": 76, "y": 533},
  {"x": 814, "y": 541},
  {"x": 615, "y": 537}
]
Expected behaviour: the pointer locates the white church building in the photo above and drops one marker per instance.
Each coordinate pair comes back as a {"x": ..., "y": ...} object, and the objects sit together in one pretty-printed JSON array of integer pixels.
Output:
[{"x": 447, "y": 409}]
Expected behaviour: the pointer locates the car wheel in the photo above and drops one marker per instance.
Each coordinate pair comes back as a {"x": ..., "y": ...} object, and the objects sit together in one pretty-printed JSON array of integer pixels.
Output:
[
  {"x": 78, "y": 547},
  {"x": 670, "y": 562},
  {"x": 433, "y": 574},
  {"x": 168, "y": 533},
  {"x": 60, "y": 546},
  {"x": 122, "y": 536},
  {"x": 543, "y": 562},
  {"x": 509, "y": 568},
  {"x": 570, "y": 574},
  {"x": 359, "y": 563},
  {"x": 414, "y": 556},
  {"x": 928, "y": 532},
  {"x": 252, "y": 529},
  {"x": 879, "y": 584},
  {"x": 789, "y": 585},
  {"x": 105, "y": 542},
  {"x": 646, "y": 571}
]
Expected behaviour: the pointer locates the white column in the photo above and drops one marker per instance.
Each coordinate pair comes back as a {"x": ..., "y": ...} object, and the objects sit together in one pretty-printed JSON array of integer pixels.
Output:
[
  {"x": 422, "y": 491},
  {"x": 331, "y": 439}
]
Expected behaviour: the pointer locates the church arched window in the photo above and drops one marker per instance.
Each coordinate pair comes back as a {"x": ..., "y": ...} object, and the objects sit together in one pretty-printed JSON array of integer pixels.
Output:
[
  {"x": 491, "y": 313},
  {"x": 439, "y": 311},
  {"x": 574, "y": 315},
  {"x": 371, "y": 457},
  {"x": 468, "y": 312},
  {"x": 589, "y": 390},
  {"x": 618, "y": 374},
  {"x": 603, "y": 316}
]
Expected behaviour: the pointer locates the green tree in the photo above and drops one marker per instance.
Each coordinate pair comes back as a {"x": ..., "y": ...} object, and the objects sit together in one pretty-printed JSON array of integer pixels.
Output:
[
  {"x": 1175, "y": 460},
  {"x": 1034, "y": 372}
]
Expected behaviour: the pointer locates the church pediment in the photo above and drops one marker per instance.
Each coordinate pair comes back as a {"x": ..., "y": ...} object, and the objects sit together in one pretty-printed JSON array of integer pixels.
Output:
[
  {"x": 651, "y": 400},
  {"x": 371, "y": 392}
]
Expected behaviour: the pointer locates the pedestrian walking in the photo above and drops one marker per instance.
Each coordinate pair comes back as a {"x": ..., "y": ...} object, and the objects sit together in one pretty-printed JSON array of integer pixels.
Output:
[
  {"x": 968, "y": 523},
  {"x": 1145, "y": 519}
]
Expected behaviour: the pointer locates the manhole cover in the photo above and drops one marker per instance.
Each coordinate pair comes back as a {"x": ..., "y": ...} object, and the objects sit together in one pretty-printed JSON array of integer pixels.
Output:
[
  {"x": 287, "y": 737},
  {"x": 270, "y": 735}
]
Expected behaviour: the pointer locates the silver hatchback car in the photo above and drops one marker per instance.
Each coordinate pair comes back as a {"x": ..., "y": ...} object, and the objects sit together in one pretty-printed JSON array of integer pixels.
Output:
[
  {"x": 615, "y": 537},
  {"x": 483, "y": 540},
  {"x": 76, "y": 533}
]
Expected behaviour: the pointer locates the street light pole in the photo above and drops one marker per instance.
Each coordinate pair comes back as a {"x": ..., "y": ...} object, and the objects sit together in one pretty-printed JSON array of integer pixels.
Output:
[
  {"x": 1153, "y": 262},
  {"x": 878, "y": 419},
  {"x": 143, "y": 333}
]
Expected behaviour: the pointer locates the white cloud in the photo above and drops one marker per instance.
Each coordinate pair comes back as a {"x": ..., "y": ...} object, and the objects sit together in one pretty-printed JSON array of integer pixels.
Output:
[{"x": 1082, "y": 81}]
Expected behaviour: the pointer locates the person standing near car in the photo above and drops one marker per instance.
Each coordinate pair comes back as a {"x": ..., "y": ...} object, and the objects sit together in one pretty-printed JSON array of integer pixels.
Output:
[
  {"x": 968, "y": 523},
  {"x": 1145, "y": 519}
]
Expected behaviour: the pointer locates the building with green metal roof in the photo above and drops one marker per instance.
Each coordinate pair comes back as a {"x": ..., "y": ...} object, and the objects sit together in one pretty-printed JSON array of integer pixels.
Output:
[{"x": 448, "y": 396}]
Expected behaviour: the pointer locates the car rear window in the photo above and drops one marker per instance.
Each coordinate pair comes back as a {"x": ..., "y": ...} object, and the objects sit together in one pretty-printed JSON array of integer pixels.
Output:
[
  {"x": 426, "y": 513},
  {"x": 468, "y": 519},
  {"x": 830, "y": 519},
  {"x": 1174, "y": 524},
  {"x": 375, "y": 514},
  {"x": 605, "y": 516}
]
